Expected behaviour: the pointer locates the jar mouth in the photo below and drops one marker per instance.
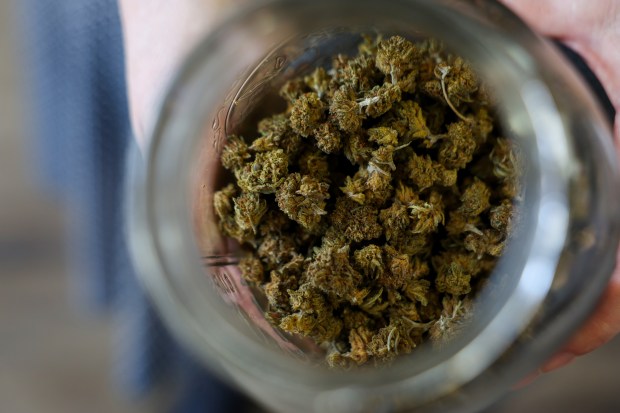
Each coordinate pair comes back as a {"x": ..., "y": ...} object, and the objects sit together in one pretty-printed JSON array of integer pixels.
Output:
[{"x": 170, "y": 261}]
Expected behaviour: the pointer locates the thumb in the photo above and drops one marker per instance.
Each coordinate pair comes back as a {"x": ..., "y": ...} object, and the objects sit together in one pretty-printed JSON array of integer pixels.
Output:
[
  {"x": 590, "y": 27},
  {"x": 566, "y": 19}
]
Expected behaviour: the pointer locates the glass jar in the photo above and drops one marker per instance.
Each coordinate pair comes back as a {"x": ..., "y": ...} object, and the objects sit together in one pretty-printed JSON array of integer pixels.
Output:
[{"x": 542, "y": 289}]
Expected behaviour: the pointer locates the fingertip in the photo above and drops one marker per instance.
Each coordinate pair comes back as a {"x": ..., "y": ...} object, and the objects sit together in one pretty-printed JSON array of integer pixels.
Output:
[
  {"x": 529, "y": 379},
  {"x": 549, "y": 17},
  {"x": 559, "y": 360},
  {"x": 603, "y": 324}
]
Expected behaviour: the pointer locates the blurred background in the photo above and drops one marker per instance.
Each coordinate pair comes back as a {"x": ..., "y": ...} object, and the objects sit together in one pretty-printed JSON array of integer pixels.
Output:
[{"x": 56, "y": 354}]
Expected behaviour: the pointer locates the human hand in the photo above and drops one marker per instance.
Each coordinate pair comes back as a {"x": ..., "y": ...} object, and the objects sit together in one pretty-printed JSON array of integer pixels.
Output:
[
  {"x": 158, "y": 35},
  {"x": 592, "y": 29}
]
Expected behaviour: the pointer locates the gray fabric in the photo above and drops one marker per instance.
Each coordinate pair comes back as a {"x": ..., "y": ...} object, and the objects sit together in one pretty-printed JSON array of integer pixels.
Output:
[{"x": 75, "y": 71}]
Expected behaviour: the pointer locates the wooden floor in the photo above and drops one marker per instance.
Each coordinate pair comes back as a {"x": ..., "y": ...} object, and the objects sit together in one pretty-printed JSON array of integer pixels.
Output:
[{"x": 57, "y": 358}]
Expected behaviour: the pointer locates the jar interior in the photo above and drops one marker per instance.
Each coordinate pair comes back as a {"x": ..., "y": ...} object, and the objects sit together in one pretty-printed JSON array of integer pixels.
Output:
[{"x": 255, "y": 96}]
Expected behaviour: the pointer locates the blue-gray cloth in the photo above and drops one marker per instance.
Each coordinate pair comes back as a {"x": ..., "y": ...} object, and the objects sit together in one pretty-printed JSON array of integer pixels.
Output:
[{"x": 74, "y": 68}]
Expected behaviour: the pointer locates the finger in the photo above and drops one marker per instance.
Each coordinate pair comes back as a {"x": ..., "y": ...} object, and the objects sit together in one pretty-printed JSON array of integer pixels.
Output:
[
  {"x": 603, "y": 57},
  {"x": 566, "y": 18},
  {"x": 158, "y": 35},
  {"x": 559, "y": 360},
  {"x": 589, "y": 27},
  {"x": 603, "y": 325},
  {"x": 527, "y": 380}
]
